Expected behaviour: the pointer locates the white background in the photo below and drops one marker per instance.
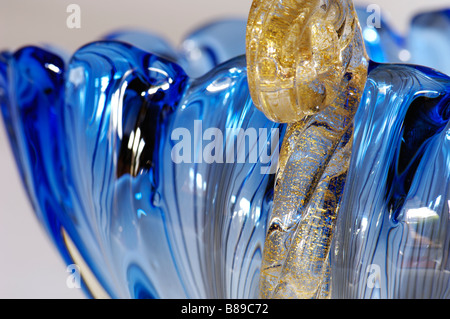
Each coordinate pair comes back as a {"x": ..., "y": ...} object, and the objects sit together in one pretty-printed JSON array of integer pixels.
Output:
[{"x": 30, "y": 266}]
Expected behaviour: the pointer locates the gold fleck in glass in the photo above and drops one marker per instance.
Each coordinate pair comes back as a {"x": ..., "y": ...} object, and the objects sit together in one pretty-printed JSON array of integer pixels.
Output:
[{"x": 307, "y": 66}]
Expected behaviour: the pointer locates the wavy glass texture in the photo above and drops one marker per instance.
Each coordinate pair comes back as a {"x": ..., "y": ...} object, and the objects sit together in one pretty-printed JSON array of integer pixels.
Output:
[
  {"x": 393, "y": 236},
  {"x": 93, "y": 142},
  {"x": 319, "y": 72}
]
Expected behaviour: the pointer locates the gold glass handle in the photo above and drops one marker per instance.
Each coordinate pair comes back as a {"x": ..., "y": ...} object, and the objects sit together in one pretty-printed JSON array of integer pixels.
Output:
[{"x": 307, "y": 66}]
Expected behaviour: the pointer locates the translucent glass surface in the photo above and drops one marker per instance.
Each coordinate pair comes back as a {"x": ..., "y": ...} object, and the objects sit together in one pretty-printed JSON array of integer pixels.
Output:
[{"x": 393, "y": 233}]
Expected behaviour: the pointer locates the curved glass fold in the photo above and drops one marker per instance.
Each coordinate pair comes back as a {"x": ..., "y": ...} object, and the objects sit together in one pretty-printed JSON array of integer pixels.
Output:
[{"x": 393, "y": 236}]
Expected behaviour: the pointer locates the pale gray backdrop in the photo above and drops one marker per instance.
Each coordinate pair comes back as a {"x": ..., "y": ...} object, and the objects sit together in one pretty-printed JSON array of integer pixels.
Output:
[{"x": 30, "y": 266}]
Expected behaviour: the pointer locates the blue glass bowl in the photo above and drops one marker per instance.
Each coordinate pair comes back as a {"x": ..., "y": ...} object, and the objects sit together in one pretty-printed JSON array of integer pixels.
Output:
[{"x": 154, "y": 172}]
